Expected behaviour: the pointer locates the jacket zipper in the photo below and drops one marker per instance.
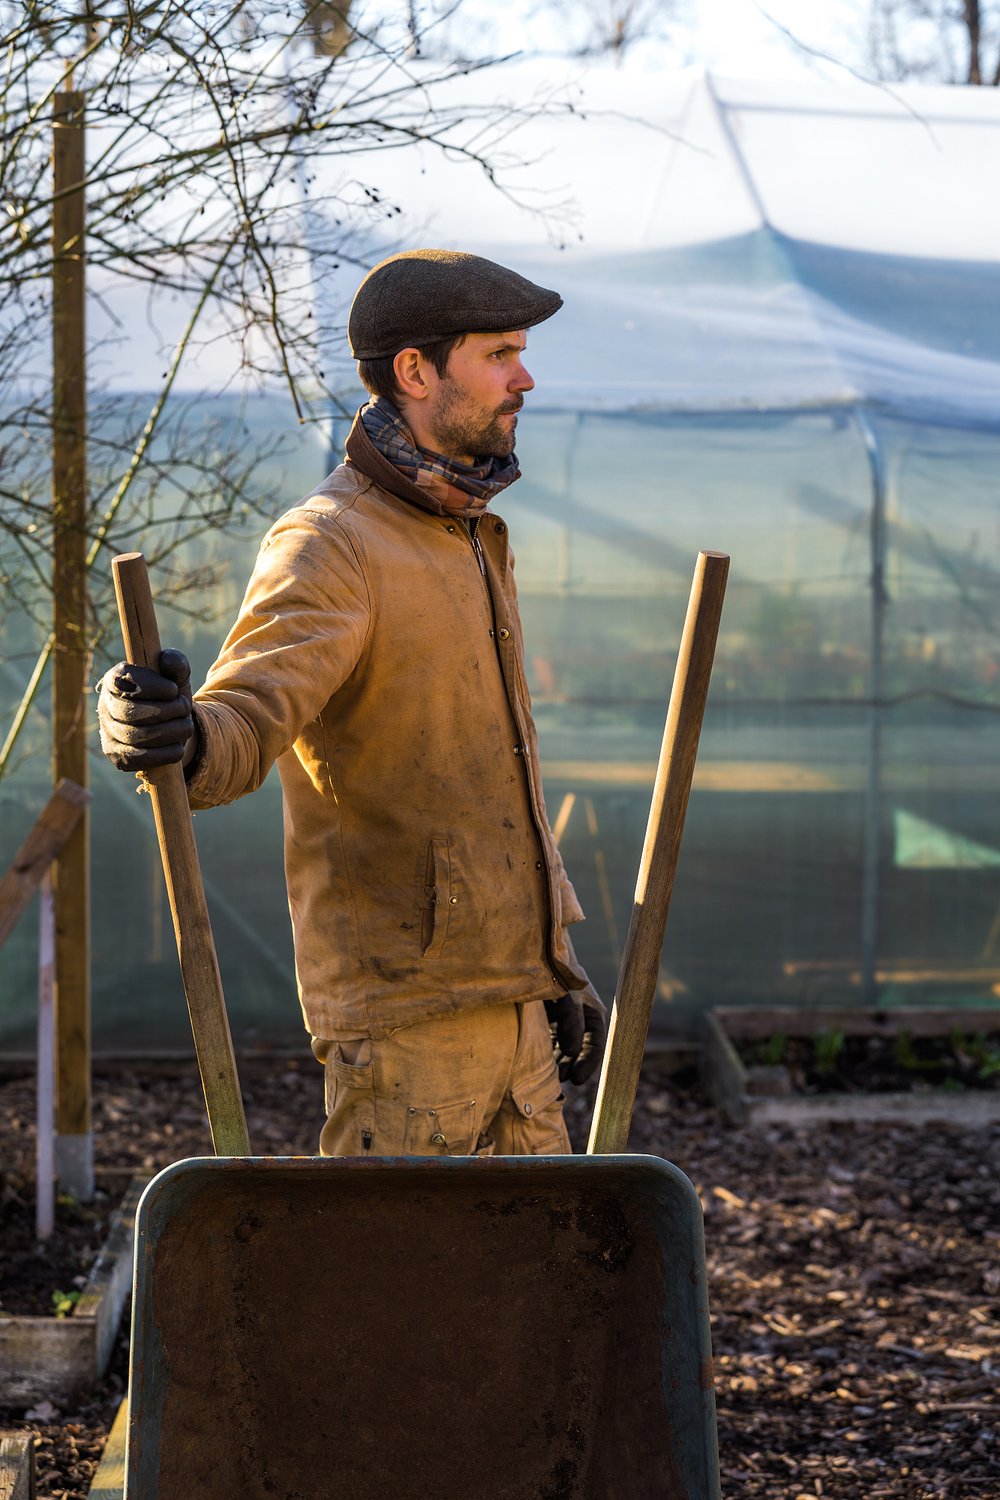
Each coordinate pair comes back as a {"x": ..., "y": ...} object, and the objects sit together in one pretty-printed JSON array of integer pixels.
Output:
[{"x": 481, "y": 560}]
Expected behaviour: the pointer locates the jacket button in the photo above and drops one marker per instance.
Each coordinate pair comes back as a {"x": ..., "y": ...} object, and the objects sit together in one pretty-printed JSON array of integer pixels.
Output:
[
  {"x": 518, "y": 749},
  {"x": 538, "y": 864},
  {"x": 438, "y": 1139},
  {"x": 527, "y": 1109},
  {"x": 499, "y": 528},
  {"x": 453, "y": 900},
  {"x": 492, "y": 634},
  {"x": 503, "y": 633},
  {"x": 449, "y": 528}
]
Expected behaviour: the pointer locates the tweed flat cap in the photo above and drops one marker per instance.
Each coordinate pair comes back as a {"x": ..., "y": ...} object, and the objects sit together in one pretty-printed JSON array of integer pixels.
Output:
[{"x": 420, "y": 296}]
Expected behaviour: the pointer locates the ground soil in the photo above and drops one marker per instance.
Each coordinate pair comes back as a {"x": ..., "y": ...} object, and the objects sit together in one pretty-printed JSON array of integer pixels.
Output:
[
  {"x": 854, "y": 1278},
  {"x": 46, "y": 1279}
]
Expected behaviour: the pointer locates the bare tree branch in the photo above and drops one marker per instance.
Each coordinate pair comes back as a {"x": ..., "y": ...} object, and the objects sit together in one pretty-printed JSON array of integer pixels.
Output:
[
  {"x": 209, "y": 127},
  {"x": 936, "y": 41}
]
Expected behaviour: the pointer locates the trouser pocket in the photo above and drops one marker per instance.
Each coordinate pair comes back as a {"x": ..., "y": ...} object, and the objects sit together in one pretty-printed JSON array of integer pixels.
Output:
[
  {"x": 441, "y": 1129},
  {"x": 531, "y": 1122},
  {"x": 350, "y": 1100}
]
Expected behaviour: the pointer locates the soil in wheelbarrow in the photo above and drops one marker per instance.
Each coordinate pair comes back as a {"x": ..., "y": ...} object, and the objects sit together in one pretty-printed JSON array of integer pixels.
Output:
[
  {"x": 854, "y": 1277},
  {"x": 832, "y": 1062}
]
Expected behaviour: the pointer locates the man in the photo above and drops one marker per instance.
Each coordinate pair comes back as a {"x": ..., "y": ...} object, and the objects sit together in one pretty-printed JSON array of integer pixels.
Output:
[{"x": 377, "y": 658}]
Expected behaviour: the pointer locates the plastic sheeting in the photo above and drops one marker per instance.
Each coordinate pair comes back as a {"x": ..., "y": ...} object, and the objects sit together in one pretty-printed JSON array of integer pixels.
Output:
[
  {"x": 764, "y": 323},
  {"x": 781, "y": 339}
]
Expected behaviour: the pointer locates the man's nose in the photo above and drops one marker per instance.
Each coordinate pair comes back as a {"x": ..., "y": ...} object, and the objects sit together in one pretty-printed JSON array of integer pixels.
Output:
[{"x": 521, "y": 381}]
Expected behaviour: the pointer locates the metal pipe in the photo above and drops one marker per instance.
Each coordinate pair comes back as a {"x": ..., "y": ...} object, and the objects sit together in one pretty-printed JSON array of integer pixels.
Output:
[{"x": 873, "y": 794}]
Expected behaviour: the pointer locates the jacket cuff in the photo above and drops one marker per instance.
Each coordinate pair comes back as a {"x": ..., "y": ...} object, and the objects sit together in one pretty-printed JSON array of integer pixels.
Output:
[{"x": 585, "y": 990}]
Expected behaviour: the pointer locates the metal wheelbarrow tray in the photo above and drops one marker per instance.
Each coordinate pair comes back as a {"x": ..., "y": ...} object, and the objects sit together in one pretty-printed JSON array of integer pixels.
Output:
[{"x": 506, "y": 1329}]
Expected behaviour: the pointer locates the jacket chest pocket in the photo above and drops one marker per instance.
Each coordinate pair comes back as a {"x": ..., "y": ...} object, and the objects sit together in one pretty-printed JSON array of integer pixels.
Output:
[{"x": 439, "y": 900}]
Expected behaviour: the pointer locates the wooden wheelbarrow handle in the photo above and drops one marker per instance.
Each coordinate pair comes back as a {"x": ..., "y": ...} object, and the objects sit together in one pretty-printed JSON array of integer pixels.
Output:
[
  {"x": 640, "y": 964},
  {"x": 195, "y": 945}
]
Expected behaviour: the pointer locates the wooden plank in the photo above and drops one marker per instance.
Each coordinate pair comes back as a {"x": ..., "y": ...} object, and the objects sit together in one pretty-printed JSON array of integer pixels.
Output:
[
  {"x": 110, "y": 1281},
  {"x": 902, "y": 971},
  {"x": 71, "y": 637},
  {"x": 771, "y": 776},
  {"x": 712, "y": 776},
  {"x": 44, "y": 1359},
  {"x": 977, "y": 1109},
  {"x": 721, "y": 1069},
  {"x": 729, "y": 1084},
  {"x": 753, "y": 1024},
  {"x": 17, "y": 1466},
  {"x": 45, "y": 1161},
  {"x": 108, "y": 1482},
  {"x": 48, "y": 836},
  {"x": 49, "y": 1358}
]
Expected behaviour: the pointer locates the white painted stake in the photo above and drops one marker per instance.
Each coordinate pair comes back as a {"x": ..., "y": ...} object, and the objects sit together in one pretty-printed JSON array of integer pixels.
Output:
[{"x": 46, "y": 1069}]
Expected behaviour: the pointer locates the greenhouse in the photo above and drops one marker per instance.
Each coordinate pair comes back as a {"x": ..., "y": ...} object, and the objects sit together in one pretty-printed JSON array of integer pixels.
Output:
[{"x": 781, "y": 340}]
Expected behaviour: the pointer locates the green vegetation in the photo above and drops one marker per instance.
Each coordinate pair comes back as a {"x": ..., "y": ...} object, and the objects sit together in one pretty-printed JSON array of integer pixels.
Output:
[
  {"x": 63, "y": 1303},
  {"x": 774, "y": 1050},
  {"x": 979, "y": 1052},
  {"x": 829, "y": 1045},
  {"x": 905, "y": 1052}
]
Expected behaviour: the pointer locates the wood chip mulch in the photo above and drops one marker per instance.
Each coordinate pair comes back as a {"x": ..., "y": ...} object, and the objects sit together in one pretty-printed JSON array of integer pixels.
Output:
[{"x": 854, "y": 1279}]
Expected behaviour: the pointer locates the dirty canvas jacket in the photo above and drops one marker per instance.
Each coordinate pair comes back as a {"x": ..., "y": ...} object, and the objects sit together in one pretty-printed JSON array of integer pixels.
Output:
[{"x": 377, "y": 658}]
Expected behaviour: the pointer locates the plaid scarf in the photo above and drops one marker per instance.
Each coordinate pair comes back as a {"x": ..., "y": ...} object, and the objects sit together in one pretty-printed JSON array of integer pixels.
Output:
[{"x": 460, "y": 489}]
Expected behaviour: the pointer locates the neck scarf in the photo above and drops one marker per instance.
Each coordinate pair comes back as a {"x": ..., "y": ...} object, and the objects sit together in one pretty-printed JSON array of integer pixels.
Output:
[{"x": 460, "y": 489}]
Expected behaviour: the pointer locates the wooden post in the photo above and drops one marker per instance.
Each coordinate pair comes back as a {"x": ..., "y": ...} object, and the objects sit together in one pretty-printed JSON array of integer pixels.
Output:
[
  {"x": 71, "y": 884},
  {"x": 31, "y": 870},
  {"x": 640, "y": 964},
  {"x": 45, "y": 1066}
]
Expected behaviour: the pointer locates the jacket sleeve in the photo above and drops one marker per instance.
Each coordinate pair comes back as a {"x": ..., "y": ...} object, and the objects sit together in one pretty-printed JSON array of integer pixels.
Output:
[
  {"x": 300, "y": 633},
  {"x": 586, "y": 990}
]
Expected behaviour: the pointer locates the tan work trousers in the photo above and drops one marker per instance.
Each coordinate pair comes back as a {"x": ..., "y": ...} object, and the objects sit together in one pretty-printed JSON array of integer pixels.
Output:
[{"x": 478, "y": 1083}]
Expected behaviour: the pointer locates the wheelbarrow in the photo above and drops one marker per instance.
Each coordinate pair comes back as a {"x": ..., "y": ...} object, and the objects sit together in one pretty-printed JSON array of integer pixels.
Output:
[{"x": 503, "y": 1328}]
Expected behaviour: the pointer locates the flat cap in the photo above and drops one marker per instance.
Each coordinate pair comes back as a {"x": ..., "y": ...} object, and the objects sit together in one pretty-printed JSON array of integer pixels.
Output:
[{"x": 420, "y": 296}]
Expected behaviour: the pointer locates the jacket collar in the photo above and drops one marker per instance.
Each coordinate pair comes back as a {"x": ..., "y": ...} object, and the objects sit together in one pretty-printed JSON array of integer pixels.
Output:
[{"x": 364, "y": 455}]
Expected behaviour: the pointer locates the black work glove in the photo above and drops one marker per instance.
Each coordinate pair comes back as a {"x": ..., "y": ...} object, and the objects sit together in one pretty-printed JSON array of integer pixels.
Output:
[
  {"x": 579, "y": 1032},
  {"x": 146, "y": 717}
]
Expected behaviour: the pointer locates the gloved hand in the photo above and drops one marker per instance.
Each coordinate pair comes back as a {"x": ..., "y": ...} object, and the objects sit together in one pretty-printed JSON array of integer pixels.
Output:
[
  {"x": 579, "y": 1032},
  {"x": 146, "y": 717}
]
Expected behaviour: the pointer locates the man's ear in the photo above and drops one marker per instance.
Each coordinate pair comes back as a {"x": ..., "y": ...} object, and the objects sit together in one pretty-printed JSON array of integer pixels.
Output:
[{"x": 410, "y": 370}]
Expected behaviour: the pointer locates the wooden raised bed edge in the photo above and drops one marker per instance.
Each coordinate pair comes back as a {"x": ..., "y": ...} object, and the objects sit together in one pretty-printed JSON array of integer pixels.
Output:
[
  {"x": 725, "y": 1078},
  {"x": 108, "y": 1482},
  {"x": 17, "y": 1466},
  {"x": 48, "y": 1358}
]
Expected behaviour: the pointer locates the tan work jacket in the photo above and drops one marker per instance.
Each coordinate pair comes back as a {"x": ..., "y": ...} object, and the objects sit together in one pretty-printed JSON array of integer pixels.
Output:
[{"x": 377, "y": 658}]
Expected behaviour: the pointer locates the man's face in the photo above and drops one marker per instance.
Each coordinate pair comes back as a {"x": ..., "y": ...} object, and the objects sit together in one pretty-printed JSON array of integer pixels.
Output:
[{"x": 472, "y": 409}]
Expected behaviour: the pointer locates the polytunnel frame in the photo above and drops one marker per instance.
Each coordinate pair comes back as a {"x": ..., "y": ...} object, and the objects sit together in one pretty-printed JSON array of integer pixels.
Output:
[{"x": 875, "y": 453}]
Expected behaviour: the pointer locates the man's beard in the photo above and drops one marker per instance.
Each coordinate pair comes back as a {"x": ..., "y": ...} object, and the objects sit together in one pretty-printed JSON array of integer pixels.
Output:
[{"x": 458, "y": 431}]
